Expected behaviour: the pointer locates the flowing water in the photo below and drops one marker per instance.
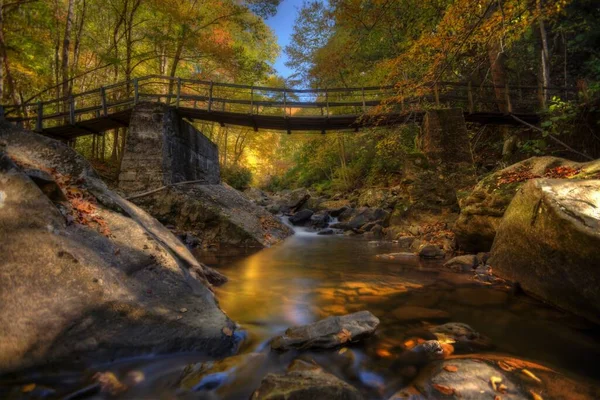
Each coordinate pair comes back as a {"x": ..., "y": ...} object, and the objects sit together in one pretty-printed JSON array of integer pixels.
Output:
[{"x": 308, "y": 277}]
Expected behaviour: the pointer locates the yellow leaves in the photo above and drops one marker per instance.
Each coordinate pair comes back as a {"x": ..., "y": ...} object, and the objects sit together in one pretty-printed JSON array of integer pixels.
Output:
[
  {"x": 344, "y": 335},
  {"x": 28, "y": 388},
  {"x": 494, "y": 381},
  {"x": 535, "y": 396},
  {"x": 109, "y": 383},
  {"x": 450, "y": 368},
  {"x": 343, "y": 350},
  {"x": 227, "y": 331},
  {"x": 447, "y": 390},
  {"x": 531, "y": 375}
]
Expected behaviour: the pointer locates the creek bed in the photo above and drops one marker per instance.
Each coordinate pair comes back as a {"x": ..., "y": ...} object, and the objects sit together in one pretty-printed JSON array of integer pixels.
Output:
[{"x": 309, "y": 277}]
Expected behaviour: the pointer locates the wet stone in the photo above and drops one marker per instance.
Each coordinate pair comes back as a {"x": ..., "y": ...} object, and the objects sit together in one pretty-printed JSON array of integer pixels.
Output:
[
  {"x": 305, "y": 381},
  {"x": 328, "y": 333}
]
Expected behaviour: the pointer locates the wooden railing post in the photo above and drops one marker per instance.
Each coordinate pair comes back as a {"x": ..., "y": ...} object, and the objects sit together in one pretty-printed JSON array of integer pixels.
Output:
[
  {"x": 436, "y": 92},
  {"x": 210, "y": 96},
  {"x": 251, "y": 100},
  {"x": 284, "y": 102},
  {"x": 470, "y": 96},
  {"x": 72, "y": 110},
  {"x": 136, "y": 91},
  {"x": 39, "y": 125},
  {"x": 327, "y": 101},
  {"x": 364, "y": 101},
  {"x": 178, "y": 92},
  {"x": 507, "y": 95},
  {"x": 103, "y": 100},
  {"x": 1, "y": 112}
]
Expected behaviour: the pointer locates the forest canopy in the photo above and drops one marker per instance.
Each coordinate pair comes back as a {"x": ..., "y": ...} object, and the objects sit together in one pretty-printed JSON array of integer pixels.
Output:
[{"x": 52, "y": 48}]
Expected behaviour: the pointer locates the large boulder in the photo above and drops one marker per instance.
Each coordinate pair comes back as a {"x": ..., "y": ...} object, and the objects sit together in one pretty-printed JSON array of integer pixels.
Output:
[
  {"x": 548, "y": 241},
  {"x": 217, "y": 214},
  {"x": 482, "y": 209},
  {"x": 494, "y": 376},
  {"x": 88, "y": 274},
  {"x": 329, "y": 332}
]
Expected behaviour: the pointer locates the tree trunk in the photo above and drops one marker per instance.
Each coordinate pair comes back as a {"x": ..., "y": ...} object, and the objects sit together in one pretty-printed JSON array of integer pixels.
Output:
[
  {"x": 66, "y": 49},
  {"x": 77, "y": 45},
  {"x": 545, "y": 59},
  {"x": 498, "y": 72}
]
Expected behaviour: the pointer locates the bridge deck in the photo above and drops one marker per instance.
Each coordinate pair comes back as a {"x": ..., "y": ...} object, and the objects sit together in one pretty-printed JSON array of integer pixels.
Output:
[{"x": 290, "y": 124}]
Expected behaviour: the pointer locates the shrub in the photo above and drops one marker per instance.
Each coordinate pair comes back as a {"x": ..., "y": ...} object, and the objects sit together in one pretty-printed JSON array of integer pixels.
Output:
[{"x": 237, "y": 176}]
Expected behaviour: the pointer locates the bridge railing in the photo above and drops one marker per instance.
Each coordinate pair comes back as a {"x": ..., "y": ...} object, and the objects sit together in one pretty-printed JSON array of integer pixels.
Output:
[{"x": 274, "y": 101}]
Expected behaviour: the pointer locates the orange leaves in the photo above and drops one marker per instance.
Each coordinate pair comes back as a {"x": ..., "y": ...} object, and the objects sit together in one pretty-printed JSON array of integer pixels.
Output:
[
  {"x": 109, "y": 383},
  {"x": 520, "y": 174},
  {"x": 562, "y": 172},
  {"x": 450, "y": 368},
  {"x": 82, "y": 205},
  {"x": 447, "y": 390},
  {"x": 344, "y": 335}
]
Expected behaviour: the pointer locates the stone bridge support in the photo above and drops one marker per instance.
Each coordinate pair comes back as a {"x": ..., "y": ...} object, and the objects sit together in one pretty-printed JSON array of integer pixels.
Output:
[
  {"x": 444, "y": 138},
  {"x": 163, "y": 149}
]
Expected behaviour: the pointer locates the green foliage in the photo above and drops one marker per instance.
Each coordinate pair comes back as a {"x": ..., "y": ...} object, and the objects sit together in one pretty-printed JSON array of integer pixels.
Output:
[
  {"x": 237, "y": 176},
  {"x": 560, "y": 117}
]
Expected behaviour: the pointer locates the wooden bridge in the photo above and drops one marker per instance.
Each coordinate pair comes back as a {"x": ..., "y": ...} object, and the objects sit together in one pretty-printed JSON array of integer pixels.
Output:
[{"x": 109, "y": 107}]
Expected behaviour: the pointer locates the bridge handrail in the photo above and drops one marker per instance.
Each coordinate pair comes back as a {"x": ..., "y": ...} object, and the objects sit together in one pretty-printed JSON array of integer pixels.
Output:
[{"x": 257, "y": 100}]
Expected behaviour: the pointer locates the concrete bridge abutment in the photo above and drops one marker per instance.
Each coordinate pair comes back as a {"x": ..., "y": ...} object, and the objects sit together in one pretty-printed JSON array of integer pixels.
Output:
[{"x": 163, "y": 149}]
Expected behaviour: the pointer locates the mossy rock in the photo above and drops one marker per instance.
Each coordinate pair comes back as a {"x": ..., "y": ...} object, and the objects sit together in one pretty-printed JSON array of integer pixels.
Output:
[
  {"x": 548, "y": 241},
  {"x": 482, "y": 210}
]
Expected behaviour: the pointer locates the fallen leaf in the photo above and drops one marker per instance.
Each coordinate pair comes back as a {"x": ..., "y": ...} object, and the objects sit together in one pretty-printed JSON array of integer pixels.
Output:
[
  {"x": 409, "y": 344},
  {"x": 535, "y": 395},
  {"x": 135, "y": 377},
  {"x": 109, "y": 383},
  {"x": 448, "y": 391},
  {"x": 505, "y": 366},
  {"x": 227, "y": 331},
  {"x": 28, "y": 388},
  {"x": 343, "y": 350},
  {"x": 183, "y": 310},
  {"x": 451, "y": 368},
  {"x": 344, "y": 335},
  {"x": 531, "y": 375},
  {"x": 494, "y": 380},
  {"x": 502, "y": 388},
  {"x": 383, "y": 353}
]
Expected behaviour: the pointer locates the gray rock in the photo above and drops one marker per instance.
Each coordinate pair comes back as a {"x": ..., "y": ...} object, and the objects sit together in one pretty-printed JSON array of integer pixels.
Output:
[
  {"x": 301, "y": 217},
  {"x": 326, "y": 232},
  {"x": 217, "y": 214},
  {"x": 340, "y": 225},
  {"x": 109, "y": 298},
  {"x": 431, "y": 251},
  {"x": 305, "y": 381},
  {"x": 405, "y": 241},
  {"x": 464, "y": 263},
  {"x": 336, "y": 212},
  {"x": 466, "y": 339},
  {"x": 548, "y": 241},
  {"x": 470, "y": 381},
  {"x": 319, "y": 220},
  {"x": 329, "y": 332}
]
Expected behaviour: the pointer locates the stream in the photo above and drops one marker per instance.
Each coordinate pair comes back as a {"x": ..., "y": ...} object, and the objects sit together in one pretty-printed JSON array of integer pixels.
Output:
[{"x": 309, "y": 277}]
